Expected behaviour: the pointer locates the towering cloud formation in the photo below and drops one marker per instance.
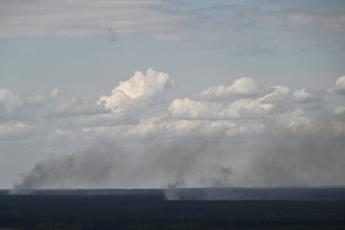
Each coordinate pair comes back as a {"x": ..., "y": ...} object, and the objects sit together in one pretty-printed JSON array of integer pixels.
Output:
[
  {"x": 237, "y": 135},
  {"x": 136, "y": 93}
]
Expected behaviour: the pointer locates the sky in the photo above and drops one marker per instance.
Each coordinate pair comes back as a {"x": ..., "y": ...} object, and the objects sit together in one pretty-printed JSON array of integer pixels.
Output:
[{"x": 186, "y": 93}]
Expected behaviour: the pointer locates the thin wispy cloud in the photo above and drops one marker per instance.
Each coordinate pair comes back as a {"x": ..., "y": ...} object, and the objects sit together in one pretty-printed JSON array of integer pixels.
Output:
[
  {"x": 86, "y": 18},
  {"x": 171, "y": 21}
]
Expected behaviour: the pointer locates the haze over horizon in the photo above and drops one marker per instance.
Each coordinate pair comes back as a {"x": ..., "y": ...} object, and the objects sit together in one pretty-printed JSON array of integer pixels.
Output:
[{"x": 186, "y": 93}]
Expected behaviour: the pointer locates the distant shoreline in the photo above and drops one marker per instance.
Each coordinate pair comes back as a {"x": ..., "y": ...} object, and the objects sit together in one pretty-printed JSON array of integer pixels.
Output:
[{"x": 235, "y": 193}]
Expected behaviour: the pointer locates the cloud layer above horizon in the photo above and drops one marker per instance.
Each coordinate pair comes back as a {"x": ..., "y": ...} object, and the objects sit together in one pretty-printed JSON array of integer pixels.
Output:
[{"x": 240, "y": 133}]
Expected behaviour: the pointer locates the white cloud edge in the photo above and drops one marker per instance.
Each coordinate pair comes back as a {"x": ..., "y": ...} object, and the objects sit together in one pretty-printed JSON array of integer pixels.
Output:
[{"x": 246, "y": 115}]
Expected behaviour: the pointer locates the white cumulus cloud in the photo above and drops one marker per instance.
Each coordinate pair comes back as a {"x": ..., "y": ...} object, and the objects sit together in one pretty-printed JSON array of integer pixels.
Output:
[
  {"x": 238, "y": 109},
  {"x": 8, "y": 101},
  {"x": 339, "y": 110},
  {"x": 166, "y": 126},
  {"x": 304, "y": 96},
  {"x": 339, "y": 86},
  {"x": 294, "y": 121},
  {"x": 275, "y": 94},
  {"x": 15, "y": 130},
  {"x": 243, "y": 108},
  {"x": 141, "y": 90},
  {"x": 244, "y": 86}
]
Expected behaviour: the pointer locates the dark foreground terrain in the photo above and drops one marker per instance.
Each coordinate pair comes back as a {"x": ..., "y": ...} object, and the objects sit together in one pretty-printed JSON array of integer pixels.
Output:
[{"x": 151, "y": 210}]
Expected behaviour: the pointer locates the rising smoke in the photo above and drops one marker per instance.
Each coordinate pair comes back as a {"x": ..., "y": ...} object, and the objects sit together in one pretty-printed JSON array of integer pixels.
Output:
[{"x": 197, "y": 162}]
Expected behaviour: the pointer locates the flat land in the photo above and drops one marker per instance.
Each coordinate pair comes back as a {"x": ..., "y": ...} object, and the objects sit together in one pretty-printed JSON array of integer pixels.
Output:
[{"x": 148, "y": 212}]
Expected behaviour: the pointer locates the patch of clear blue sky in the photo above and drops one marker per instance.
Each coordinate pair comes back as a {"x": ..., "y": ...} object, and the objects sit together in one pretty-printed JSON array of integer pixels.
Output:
[{"x": 90, "y": 67}]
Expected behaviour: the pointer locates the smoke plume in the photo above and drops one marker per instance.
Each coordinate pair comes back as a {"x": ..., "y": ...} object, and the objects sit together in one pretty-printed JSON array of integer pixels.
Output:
[{"x": 196, "y": 162}]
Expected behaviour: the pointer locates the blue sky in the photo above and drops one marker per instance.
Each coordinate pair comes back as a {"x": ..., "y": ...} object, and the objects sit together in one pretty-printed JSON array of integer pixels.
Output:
[
  {"x": 220, "y": 69},
  {"x": 219, "y": 35}
]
